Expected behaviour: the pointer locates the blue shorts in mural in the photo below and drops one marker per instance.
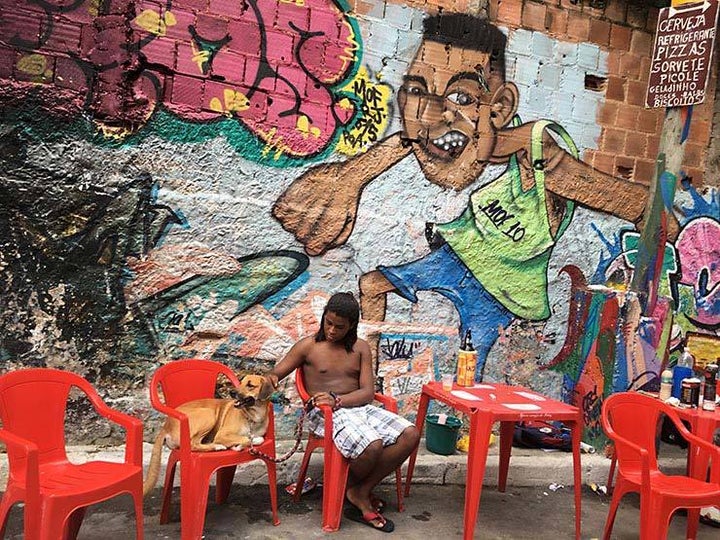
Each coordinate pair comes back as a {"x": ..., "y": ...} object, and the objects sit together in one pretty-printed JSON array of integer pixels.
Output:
[{"x": 443, "y": 272}]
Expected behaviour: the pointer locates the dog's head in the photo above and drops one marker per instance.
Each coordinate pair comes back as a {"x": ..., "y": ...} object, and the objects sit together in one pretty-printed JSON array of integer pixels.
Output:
[{"x": 253, "y": 388}]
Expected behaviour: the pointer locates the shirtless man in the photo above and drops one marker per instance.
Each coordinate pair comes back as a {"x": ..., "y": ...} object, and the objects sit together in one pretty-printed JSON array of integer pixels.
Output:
[{"x": 338, "y": 372}]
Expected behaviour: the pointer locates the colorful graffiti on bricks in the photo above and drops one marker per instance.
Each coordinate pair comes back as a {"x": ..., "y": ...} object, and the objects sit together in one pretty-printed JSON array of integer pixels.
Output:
[
  {"x": 276, "y": 70},
  {"x": 202, "y": 175}
]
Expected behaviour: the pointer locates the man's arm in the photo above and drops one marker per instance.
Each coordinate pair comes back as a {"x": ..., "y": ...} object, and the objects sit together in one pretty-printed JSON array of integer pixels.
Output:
[
  {"x": 366, "y": 390},
  {"x": 293, "y": 360},
  {"x": 319, "y": 208}
]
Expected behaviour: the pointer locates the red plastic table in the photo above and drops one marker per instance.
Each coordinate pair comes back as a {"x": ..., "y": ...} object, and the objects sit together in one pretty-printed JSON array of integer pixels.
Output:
[{"x": 486, "y": 404}]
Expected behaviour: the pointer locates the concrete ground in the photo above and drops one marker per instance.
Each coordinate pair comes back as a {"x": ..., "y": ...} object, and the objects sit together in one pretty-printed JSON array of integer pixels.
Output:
[{"x": 532, "y": 507}]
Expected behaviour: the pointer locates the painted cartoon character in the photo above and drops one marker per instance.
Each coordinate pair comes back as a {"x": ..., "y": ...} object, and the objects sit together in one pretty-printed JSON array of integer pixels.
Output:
[{"x": 459, "y": 116}]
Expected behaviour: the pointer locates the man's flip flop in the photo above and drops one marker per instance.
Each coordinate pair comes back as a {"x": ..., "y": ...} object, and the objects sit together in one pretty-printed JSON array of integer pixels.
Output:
[{"x": 354, "y": 514}]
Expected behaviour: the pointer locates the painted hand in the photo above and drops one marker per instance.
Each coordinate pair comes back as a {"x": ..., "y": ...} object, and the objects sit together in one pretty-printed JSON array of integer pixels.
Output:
[{"x": 319, "y": 208}]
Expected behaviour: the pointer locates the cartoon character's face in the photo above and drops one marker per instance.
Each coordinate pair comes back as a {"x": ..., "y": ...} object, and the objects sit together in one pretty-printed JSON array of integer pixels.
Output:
[{"x": 452, "y": 108}]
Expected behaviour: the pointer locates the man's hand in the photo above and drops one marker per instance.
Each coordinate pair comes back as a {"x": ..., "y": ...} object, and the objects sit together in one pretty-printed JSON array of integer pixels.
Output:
[
  {"x": 319, "y": 208},
  {"x": 324, "y": 398},
  {"x": 273, "y": 379}
]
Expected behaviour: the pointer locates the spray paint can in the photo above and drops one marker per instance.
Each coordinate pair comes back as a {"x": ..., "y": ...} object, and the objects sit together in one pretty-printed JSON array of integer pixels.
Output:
[{"x": 710, "y": 373}]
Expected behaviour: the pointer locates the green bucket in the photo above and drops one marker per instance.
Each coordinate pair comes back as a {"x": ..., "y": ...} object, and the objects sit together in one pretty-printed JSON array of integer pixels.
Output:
[{"x": 442, "y": 438}]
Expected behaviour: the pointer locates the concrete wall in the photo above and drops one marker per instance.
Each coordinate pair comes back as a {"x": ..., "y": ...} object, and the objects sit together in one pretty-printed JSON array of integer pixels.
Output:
[{"x": 195, "y": 178}]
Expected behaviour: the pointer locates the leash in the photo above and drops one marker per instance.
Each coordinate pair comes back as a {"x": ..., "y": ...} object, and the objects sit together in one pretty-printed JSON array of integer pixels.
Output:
[{"x": 309, "y": 404}]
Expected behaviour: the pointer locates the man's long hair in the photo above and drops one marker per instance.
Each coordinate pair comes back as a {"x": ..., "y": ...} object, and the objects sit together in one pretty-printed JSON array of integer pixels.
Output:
[{"x": 344, "y": 305}]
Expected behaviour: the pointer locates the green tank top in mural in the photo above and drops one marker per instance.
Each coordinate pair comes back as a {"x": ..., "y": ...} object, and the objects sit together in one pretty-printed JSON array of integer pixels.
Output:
[{"x": 504, "y": 236}]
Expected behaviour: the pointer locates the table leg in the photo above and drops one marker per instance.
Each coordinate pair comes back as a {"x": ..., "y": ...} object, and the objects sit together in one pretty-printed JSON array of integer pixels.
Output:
[
  {"x": 507, "y": 430},
  {"x": 480, "y": 426},
  {"x": 577, "y": 430},
  {"x": 699, "y": 460},
  {"x": 419, "y": 423}
]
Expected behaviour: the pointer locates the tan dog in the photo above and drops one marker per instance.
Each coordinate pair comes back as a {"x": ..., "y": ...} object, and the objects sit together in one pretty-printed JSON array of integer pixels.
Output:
[{"x": 217, "y": 424}]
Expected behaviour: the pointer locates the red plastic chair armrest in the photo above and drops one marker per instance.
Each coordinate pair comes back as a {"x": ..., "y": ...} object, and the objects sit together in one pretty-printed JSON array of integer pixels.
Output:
[
  {"x": 644, "y": 455},
  {"x": 328, "y": 427},
  {"x": 180, "y": 417},
  {"x": 133, "y": 426},
  {"x": 711, "y": 448},
  {"x": 389, "y": 402},
  {"x": 31, "y": 452}
]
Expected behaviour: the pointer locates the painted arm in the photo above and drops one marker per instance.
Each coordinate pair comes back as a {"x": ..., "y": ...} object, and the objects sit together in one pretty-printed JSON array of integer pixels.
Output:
[
  {"x": 577, "y": 181},
  {"x": 572, "y": 179},
  {"x": 319, "y": 208}
]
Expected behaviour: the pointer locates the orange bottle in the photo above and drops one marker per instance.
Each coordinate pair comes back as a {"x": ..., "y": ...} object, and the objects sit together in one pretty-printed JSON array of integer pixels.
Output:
[{"x": 467, "y": 358}]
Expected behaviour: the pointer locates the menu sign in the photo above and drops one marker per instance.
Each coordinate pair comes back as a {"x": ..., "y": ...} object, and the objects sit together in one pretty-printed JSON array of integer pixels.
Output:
[{"x": 680, "y": 65}]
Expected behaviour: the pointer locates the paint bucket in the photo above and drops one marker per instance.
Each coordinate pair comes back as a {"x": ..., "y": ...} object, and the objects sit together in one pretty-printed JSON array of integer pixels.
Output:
[{"x": 441, "y": 434}]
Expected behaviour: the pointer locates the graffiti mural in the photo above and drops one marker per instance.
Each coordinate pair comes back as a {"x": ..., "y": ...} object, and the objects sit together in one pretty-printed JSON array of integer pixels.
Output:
[
  {"x": 458, "y": 117},
  {"x": 66, "y": 240},
  {"x": 275, "y": 68},
  {"x": 185, "y": 178}
]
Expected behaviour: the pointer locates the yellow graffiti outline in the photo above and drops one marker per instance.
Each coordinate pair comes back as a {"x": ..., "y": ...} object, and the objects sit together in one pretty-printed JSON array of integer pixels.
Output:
[
  {"x": 199, "y": 57},
  {"x": 349, "y": 50}
]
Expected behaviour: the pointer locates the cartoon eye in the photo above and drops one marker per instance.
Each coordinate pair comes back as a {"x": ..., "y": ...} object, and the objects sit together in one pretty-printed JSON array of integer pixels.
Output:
[
  {"x": 460, "y": 98},
  {"x": 413, "y": 90}
]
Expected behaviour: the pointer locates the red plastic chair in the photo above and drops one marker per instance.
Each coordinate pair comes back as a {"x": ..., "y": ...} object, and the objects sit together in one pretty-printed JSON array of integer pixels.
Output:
[
  {"x": 335, "y": 466},
  {"x": 187, "y": 380},
  {"x": 55, "y": 491},
  {"x": 630, "y": 419}
]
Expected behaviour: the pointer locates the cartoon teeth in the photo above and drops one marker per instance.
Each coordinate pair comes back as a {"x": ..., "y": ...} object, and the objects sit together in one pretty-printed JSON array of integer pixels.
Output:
[{"x": 451, "y": 140}]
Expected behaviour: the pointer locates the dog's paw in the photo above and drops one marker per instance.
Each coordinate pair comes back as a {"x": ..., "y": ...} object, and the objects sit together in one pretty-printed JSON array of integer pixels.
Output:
[
  {"x": 258, "y": 440},
  {"x": 219, "y": 447},
  {"x": 238, "y": 447}
]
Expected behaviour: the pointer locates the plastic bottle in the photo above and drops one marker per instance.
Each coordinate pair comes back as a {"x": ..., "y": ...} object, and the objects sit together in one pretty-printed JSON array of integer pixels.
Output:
[
  {"x": 666, "y": 383},
  {"x": 683, "y": 370}
]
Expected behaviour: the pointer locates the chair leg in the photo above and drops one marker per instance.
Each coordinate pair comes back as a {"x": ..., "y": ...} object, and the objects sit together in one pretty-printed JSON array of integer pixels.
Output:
[
  {"x": 139, "y": 517},
  {"x": 399, "y": 489},
  {"x": 272, "y": 485},
  {"x": 654, "y": 521},
  {"x": 167, "y": 491},
  {"x": 302, "y": 474},
  {"x": 693, "y": 518},
  {"x": 193, "y": 503},
  {"x": 73, "y": 523},
  {"x": 335, "y": 477},
  {"x": 612, "y": 511},
  {"x": 611, "y": 472},
  {"x": 223, "y": 483}
]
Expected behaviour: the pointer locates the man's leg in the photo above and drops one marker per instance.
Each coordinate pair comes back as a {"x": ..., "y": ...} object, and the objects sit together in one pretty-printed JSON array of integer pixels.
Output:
[{"x": 369, "y": 470}]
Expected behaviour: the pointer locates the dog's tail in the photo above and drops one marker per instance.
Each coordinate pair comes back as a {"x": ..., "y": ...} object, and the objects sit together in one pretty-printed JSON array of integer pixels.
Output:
[{"x": 154, "y": 467}]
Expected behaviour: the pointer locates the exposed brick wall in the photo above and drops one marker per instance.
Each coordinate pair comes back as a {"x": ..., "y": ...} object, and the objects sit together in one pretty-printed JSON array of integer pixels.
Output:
[{"x": 630, "y": 133}]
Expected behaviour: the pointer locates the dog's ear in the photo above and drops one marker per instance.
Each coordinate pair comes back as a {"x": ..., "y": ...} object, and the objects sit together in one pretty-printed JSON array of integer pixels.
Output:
[{"x": 266, "y": 390}]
